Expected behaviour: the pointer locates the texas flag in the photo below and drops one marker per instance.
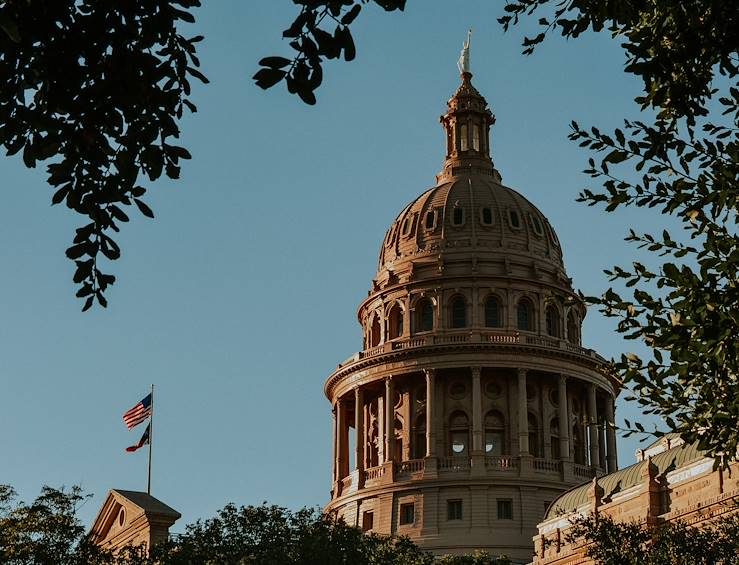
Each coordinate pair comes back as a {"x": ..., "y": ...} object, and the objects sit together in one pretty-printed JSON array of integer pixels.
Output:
[{"x": 142, "y": 442}]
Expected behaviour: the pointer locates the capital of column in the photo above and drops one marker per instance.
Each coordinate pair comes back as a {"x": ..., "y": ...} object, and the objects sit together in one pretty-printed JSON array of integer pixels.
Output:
[{"x": 476, "y": 371}]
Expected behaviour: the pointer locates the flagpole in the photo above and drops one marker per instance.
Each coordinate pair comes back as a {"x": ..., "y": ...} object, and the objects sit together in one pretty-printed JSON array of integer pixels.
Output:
[{"x": 151, "y": 437}]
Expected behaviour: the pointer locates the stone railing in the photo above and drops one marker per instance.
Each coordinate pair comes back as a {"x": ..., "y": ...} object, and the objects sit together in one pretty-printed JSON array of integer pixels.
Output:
[
  {"x": 454, "y": 464},
  {"x": 501, "y": 462},
  {"x": 410, "y": 466},
  {"x": 374, "y": 473},
  {"x": 501, "y": 337},
  {"x": 498, "y": 338},
  {"x": 584, "y": 471},
  {"x": 452, "y": 338},
  {"x": 346, "y": 482},
  {"x": 546, "y": 465}
]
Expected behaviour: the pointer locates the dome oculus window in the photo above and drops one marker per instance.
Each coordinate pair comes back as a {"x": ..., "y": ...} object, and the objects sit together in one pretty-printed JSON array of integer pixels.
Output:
[
  {"x": 458, "y": 390},
  {"x": 536, "y": 225},
  {"x": 513, "y": 220},
  {"x": 430, "y": 220},
  {"x": 457, "y": 216},
  {"x": 553, "y": 236},
  {"x": 486, "y": 216},
  {"x": 406, "y": 225}
]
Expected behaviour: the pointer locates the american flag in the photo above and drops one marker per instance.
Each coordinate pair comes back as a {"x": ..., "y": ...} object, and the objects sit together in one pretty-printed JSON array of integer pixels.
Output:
[{"x": 138, "y": 413}]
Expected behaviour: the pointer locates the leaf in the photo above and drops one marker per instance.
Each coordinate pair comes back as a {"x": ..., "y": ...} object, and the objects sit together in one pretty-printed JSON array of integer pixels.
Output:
[
  {"x": 145, "y": 210},
  {"x": 88, "y": 303},
  {"x": 351, "y": 15},
  {"x": 267, "y": 78},
  {"x": 9, "y": 27},
  {"x": 274, "y": 62}
]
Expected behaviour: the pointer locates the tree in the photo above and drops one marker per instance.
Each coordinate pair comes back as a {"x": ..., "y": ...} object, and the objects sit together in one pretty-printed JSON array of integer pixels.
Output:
[
  {"x": 48, "y": 531},
  {"x": 96, "y": 87},
  {"x": 673, "y": 543},
  {"x": 685, "y": 165}
]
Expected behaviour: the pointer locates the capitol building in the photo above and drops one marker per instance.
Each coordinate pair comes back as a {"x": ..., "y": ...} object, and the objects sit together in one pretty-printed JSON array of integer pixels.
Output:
[{"x": 473, "y": 403}]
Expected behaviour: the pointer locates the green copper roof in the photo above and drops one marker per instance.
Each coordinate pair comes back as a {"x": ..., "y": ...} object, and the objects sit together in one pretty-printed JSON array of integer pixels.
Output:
[{"x": 625, "y": 478}]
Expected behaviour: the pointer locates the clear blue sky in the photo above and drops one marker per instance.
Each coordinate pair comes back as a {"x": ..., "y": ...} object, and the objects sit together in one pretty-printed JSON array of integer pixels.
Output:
[{"x": 240, "y": 298}]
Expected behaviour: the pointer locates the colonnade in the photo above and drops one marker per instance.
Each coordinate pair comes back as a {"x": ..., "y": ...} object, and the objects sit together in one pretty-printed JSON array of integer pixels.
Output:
[{"x": 599, "y": 450}]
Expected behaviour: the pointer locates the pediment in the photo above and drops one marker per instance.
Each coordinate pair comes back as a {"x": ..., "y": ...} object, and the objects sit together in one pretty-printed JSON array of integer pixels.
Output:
[{"x": 131, "y": 518}]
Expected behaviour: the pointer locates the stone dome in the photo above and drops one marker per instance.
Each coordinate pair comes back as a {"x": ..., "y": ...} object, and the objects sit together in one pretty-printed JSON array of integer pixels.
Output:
[
  {"x": 471, "y": 218},
  {"x": 470, "y": 223}
]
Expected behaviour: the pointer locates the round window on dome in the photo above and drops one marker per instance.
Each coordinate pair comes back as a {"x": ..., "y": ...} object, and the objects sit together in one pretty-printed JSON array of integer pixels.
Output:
[
  {"x": 486, "y": 216},
  {"x": 536, "y": 225},
  {"x": 513, "y": 220}
]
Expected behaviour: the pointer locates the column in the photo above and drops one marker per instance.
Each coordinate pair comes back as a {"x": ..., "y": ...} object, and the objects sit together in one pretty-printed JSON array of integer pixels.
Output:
[
  {"x": 564, "y": 421},
  {"x": 477, "y": 431},
  {"x": 523, "y": 414},
  {"x": 389, "y": 419},
  {"x": 334, "y": 445},
  {"x": 593, "y": 426},
  {"x": 342, "y": 456},
  {"x": 359, "y": 428},
  {"x": 611, "y": 456},
  {"x": 430, "y": 435}
]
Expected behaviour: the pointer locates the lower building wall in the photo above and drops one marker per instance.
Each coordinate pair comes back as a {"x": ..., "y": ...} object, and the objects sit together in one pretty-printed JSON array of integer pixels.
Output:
[{"x": 695, "y": 495}]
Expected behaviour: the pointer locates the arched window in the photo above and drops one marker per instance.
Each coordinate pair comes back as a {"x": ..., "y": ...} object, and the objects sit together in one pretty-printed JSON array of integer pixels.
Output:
[
  {"x": 375, "y": 332},
  {"x": 492, "y": 313},
  {"x": 572, "y": 333},
  {"x": 533, "y": 435},
  {"x": 425, "y": 316},
  {"x": 463, "y": 142},
  {"x": 395, "y": 322},
  {"x": 459, "y": 434},
  {"x": 476, "y": 137},
  {"x": 552, "y": 320},
  {"x": 419, "y": 443},
  {"x": 494, "y": 433},
  {"x": 459, "y": 312},
  {"x": 524, "y": 316},
  {"x": 554, "y": 437}
]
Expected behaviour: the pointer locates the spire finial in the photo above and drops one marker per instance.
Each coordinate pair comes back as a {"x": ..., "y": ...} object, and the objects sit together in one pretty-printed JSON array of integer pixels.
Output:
[{"x": 464, "y": 59}]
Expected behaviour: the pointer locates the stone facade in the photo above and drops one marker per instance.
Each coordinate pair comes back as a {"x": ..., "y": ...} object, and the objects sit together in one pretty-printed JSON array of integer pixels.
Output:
[
  {"x": 671, "y": 481},
  {"x": 132, "y": 518},
  {"x": 473, "y": 403}
]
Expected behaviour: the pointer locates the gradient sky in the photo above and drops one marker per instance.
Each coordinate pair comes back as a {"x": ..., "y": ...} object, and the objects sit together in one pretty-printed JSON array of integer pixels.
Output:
[{"x": 240, "y": 298}]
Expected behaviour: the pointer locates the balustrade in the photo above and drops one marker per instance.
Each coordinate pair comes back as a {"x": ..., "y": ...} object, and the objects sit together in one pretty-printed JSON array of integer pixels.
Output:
[
  {"x": 374, "y": 473},
  {"x": 501, "y": 462},
  {"x": 584, "y": 471},
  {"x": 454, "y": 464},
  {"x": 546, "y": 465},
  {"x": 410, "y": 466}
]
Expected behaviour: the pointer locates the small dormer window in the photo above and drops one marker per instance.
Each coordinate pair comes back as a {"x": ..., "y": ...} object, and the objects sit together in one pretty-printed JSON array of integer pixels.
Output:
[
  {"x": 514, "y": 220},
  {"x": 430, "y": 219},
  {"x": 406, "y": 225},
  {"x": 458, "y": 216},
  {"x": 486, "y": 216},
  {"x": 536, "y": 225}
]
